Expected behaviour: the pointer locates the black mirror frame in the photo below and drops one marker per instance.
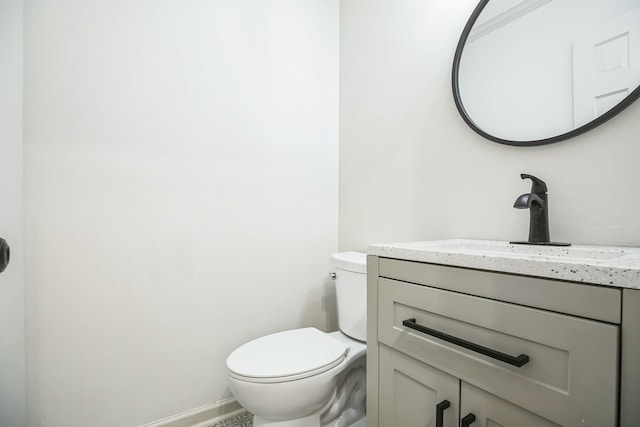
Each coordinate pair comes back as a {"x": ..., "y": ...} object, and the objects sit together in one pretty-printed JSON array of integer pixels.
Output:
[{"x": 575, "y": 132}]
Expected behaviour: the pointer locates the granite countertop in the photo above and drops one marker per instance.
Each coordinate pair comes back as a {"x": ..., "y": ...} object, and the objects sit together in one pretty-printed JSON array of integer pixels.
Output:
[{"x": 601, "y": 265}]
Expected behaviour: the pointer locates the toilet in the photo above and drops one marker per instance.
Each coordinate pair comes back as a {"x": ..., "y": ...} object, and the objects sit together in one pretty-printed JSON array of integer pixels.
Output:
[{"x": 306, "y": 377}]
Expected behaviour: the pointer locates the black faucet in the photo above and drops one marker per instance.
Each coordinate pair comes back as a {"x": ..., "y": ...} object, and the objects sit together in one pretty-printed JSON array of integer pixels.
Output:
[{"x": 536, "y": 202}]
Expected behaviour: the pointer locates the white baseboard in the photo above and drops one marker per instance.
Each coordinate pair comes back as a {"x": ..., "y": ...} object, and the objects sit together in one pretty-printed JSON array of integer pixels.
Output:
[{"x": 203, "y": 414}]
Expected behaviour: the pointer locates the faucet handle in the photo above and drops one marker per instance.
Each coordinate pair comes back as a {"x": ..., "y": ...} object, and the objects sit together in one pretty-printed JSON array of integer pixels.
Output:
[{"x": 537, "y": 185}]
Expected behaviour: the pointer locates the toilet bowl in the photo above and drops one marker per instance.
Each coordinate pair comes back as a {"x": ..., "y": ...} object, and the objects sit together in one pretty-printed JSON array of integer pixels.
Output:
[{"x": 306, "y": 377}]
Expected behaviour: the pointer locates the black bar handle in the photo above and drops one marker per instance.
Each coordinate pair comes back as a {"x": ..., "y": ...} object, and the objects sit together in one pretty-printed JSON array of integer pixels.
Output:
[
  {"x": 518, "y": 361},
  {"x": 467, "y": 420},
  {"x": 440, "y": 407}
]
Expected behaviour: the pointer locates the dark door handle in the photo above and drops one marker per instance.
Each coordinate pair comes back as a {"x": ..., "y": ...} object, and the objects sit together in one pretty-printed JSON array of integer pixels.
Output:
[
  {"x": 467, "y": 420},
  {"x": 4, "y": 254},
  {"x": 518, "y": 361},
  {"x": 440, "y": 407}
]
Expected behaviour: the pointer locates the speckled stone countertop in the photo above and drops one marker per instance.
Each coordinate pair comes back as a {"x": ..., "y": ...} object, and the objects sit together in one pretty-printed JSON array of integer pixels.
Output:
[{"x": 602, "y": 265}]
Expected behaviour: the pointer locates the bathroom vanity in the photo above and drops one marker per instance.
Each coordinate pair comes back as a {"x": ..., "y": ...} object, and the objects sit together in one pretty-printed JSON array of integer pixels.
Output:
[{"x": 472, "y": 333}]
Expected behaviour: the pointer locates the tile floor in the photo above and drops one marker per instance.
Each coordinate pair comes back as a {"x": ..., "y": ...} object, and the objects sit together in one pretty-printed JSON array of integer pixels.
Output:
[{"x": 242, "y": 420}]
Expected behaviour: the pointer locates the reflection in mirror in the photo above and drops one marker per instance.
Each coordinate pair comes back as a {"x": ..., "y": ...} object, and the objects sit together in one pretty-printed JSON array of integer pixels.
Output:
[{"x": 530, "y": 72}]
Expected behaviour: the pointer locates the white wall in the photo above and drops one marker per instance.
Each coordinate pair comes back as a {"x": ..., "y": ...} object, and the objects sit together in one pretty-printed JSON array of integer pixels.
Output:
[
  {"x": 12, "y": 345},
  {"x": 410, "y": 169},
  {"x": 181, "y": 195}
]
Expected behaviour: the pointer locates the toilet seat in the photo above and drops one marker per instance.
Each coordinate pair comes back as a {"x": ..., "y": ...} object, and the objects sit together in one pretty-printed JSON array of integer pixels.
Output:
[{"x": 286, "y": 356}]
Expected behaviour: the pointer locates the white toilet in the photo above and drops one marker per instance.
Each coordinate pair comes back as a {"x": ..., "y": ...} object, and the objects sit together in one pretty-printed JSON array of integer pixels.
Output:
[{"x": 305, "y": 377}]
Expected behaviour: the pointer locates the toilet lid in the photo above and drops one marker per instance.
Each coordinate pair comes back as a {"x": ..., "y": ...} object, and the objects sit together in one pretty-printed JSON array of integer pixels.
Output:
[{"x": 286, "y": 356}]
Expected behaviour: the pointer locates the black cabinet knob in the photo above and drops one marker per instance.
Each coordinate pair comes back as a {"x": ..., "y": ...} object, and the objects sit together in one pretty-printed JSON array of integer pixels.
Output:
[{"x": 5, "y": 254}]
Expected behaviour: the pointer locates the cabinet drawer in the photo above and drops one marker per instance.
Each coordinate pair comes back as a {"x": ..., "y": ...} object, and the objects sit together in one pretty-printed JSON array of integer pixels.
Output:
[
  {"x": 572, "y": 370},
  {"x": 595, "y": 302}
]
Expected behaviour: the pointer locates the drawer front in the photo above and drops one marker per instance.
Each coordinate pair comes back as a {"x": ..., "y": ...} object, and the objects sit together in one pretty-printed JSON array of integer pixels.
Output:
[
  {"x": 577, "y": 299},
  {"x": 572, "y": 369}
]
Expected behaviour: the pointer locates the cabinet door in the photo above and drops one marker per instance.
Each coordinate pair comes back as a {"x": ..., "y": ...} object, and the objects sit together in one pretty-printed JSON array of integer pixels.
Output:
[
  {"x": 413, "y": 394},
  {"x": 491, "y": 411}
]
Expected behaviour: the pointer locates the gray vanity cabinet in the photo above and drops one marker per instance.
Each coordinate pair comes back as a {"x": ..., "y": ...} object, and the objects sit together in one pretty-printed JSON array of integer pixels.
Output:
[{"x": 490, "y": 345}]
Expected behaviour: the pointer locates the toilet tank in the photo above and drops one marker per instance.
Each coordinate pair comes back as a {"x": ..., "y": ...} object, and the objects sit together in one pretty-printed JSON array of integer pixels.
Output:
[{"x": 350, "y": 269}]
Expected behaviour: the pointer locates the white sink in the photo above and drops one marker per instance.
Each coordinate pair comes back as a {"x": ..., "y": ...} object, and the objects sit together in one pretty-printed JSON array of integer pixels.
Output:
[{"x": 604, "y": 265}]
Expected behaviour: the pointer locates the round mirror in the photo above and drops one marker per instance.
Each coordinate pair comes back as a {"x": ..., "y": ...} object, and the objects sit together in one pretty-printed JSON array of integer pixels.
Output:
[{"x": 532, "y": 72}]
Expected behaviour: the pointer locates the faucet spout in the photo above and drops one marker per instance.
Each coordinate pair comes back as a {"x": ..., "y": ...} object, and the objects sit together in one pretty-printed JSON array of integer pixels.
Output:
[{"x": 525, "y": 201}]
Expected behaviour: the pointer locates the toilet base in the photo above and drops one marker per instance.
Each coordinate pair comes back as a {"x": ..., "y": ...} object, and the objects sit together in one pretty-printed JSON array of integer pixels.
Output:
[
  {"x": 310, "y": 421},
  {"x": 345, "y": 408}
]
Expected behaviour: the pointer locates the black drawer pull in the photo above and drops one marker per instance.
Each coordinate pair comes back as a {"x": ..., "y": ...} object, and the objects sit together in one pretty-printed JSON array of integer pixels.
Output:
[
  {"x": 440, "y": 407},
  {"x": 467, "y": 420},
  {"x": 518, "y": 361}
]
